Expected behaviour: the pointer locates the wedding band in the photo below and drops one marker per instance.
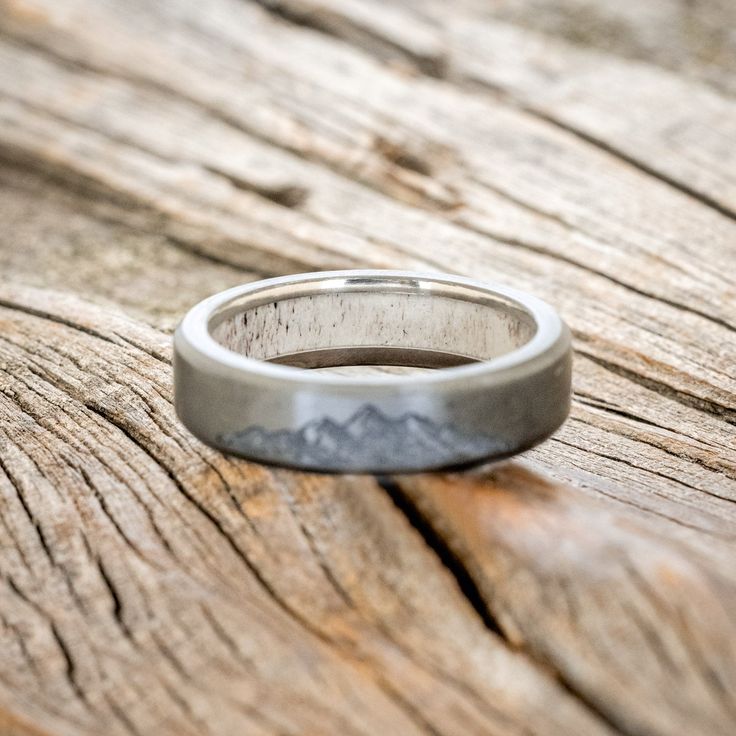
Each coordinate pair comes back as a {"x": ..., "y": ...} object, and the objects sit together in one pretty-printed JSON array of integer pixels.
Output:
[{"x": 248, "y": 381}]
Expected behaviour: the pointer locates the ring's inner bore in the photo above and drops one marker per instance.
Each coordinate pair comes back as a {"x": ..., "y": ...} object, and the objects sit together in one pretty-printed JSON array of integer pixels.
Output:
[{"x": 372, "y": 327}]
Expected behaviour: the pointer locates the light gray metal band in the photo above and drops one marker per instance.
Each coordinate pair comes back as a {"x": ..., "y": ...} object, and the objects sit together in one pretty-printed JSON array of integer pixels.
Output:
[{"x": 242, "y": 383}]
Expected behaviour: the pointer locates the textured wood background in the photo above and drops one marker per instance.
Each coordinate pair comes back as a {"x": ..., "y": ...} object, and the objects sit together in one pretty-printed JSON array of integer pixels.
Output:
[{"x": 154, "y": 152}]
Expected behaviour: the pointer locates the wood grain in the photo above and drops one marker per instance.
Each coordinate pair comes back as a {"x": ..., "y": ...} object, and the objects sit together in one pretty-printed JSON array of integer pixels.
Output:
[
  {"x": 152, "y": 153},
  {"x": 170, "y": 589},
  {"x": 607, "y": 589}
]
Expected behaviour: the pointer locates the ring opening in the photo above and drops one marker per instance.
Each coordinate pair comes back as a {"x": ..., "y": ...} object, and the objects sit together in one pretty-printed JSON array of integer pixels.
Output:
[{"x": 372, "y": 322}]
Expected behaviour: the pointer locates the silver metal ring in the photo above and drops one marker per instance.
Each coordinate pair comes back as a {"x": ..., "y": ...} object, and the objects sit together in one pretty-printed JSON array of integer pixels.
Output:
[{"x": 250, "y": 380}]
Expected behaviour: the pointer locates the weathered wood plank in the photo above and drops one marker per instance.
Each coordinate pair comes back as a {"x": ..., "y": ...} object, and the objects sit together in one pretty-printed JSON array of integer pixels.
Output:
[
  {"x": 152, "y": 584},
  {"x": 180, "y": 141},
  {"x": 607, "y": 591},
  {"x": 99, "y": 400},
  {"x": 436, "y": 149}
]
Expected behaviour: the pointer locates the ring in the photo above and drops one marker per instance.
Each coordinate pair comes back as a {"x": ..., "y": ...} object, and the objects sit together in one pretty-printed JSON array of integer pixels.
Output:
[{"x": 250, "y": 378}]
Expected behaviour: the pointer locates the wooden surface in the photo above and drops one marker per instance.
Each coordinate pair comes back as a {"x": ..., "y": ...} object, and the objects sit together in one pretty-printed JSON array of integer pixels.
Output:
[{"x": 152, "y": 153}]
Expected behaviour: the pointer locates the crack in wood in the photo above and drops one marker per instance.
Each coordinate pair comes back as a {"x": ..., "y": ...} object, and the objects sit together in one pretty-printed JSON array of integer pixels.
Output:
[
  {"x": 446, "y": 556},
  {"x": 71, "y": 668},
  {"x": 635, "y": 162},
  {"x": 542, "y": 250},
  {"x": 118, "y": 612},
  {"x": 291, "y": 196},
  {"x": 410, "y": 709},
  {"x": 713, "y": 466},
  {"x": 685, "y": 398},
  {"x": 481, "y": 603},
  {"x": 648, "y": 470},
  {"x": 341, "y": 28}
]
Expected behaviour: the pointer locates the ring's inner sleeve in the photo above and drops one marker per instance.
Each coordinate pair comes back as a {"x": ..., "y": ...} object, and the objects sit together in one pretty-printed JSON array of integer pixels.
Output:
[{"x": 346, "y": 328}]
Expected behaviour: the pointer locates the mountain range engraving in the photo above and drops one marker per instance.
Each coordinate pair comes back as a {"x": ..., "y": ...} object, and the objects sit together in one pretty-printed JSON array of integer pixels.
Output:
[{"x": 369, "y": 439}]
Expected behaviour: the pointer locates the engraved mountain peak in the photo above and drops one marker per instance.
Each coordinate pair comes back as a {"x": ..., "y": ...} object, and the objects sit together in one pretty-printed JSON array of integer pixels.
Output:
[
  {"x": 366, "y": 420},
  {"x": 368, "y": 439}
]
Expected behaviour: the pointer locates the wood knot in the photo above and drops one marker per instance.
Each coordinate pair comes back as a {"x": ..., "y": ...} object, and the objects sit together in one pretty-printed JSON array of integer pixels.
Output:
[{"x": 399, "y": 155}]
